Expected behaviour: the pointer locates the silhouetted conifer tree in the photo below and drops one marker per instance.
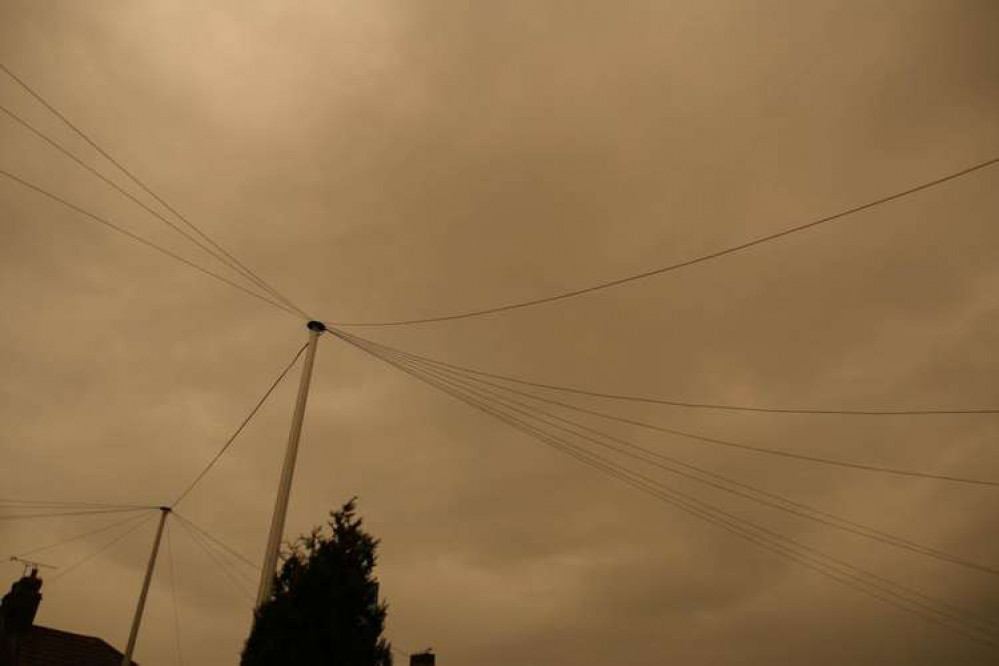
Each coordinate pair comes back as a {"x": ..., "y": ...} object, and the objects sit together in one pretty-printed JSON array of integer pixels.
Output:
[{"x": 324, "y": 608}]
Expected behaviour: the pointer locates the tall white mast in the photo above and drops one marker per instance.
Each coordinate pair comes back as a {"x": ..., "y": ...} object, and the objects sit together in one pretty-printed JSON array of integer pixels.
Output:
[
  {"x": 133, "y": 634},
  {"x": 316, "y": 328}
]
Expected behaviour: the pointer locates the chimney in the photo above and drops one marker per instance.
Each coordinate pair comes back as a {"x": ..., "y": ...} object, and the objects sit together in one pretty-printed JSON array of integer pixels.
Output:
[
  {"x": 427, "y": 658},
  {"x": 19, "y": 606}
]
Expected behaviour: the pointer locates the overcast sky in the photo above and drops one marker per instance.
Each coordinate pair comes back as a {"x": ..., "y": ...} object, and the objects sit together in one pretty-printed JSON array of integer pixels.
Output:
[{"x": 387, "y": 160}]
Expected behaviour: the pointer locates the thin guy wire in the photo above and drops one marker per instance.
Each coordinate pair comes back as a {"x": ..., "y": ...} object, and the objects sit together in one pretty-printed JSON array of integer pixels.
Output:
[
  {"x": 890, "y": 539},
  {"x": 967, "y": 615},
  {"x": 246, "y": 421},
  {"x": 901, "y": 542},
  {"x": 615, "y": 470},
  {"x": 659, "y": 488},
  {"x": 65, "y": 151},
  {"x": 934, "y": 605},
  {"x": 854, "y": 581},
  {"x": 684, "y": 264},
  {"x": 63, "y": 514},
  {"x": 729, "y": 443},
  {"x": 232, "y": 551},
  {"x": 228, "y": 557},
  {"x": 847, "y": 525},
  {"x": 463, "y": 396},
  {"x": 233, "y": 573},
  {"x": 140, "y": 239},
  {"x": 79, "y": 132},
  {"x": 702, "y": 405},
  {"x": 47, "y": 504},
  {"x": 102, "y": 549},
  {"x": 173, "y": 594},
  {"x": 218, "y": 563},
  {"x": 81, "y": 535}
]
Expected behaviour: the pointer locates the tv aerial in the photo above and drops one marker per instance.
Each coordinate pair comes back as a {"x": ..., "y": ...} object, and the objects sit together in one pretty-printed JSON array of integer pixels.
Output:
[{"x": 31, "y": 565}]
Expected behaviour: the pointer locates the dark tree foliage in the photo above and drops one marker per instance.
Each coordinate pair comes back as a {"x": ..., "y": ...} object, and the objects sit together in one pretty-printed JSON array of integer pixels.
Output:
[{"x": 324, "y": 608}]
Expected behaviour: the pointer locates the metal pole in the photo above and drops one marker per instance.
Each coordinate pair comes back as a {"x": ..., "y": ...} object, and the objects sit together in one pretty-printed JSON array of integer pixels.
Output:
[
  {"x": 316, "y": 328},
  {"x": 126, "y": 659}
]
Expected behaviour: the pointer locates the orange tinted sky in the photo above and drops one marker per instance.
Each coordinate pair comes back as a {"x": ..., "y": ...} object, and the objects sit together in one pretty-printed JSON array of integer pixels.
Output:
[{"x": 393, "y": 160}]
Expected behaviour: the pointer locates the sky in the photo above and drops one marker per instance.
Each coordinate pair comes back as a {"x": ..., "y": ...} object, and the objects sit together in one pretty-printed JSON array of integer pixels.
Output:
[{"x": 393, "y": 160}]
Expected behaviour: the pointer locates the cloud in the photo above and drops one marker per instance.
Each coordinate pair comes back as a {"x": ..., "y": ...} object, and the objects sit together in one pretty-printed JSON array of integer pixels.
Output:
[{"x": 396, "y": 160}]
